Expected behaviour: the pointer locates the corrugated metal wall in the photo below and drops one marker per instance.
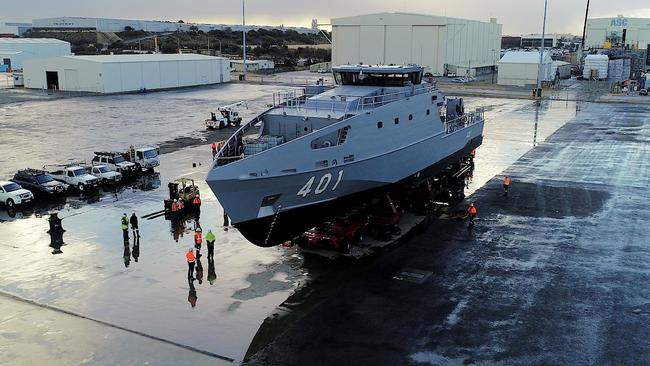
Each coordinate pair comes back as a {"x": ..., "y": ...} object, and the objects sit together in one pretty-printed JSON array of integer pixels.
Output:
[{"x": 426, "y": 40}]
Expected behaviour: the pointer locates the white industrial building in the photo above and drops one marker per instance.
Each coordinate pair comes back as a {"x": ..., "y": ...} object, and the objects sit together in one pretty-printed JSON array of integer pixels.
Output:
[
  {"x": 440, "y": 44},
  {"x": 15, "y": 51},
  {"x": 119, "y": 25},
  {"x": 13, "y": 28},
  {"x": 520, "y": 68},
  {"x": 535, "y": 40},
  {"x": 251, "y": 65},
  {"x": 606, "y": 32},
  {"x": 125, "y": 73}
]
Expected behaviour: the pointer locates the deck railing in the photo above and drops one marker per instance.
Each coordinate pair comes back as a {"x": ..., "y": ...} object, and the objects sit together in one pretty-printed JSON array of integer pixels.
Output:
[
  {"x": 233, "y": 148},
  {"x": 463, "y": 121},
  {"x": 295, "y": 100}
]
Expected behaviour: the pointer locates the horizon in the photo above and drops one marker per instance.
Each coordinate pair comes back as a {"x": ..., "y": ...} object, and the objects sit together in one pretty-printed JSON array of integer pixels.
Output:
[{"x": 562, "y": 17}]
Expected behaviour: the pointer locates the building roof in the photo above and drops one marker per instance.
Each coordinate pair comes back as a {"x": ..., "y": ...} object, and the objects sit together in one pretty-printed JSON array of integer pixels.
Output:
[
  {"x": 402, "y": 18},
  {"x": 523, "y": 57},
  {"x": 248, "y": 61},
  {"x": 145, "y": 58},
  {"x": 13, "y": 41}
]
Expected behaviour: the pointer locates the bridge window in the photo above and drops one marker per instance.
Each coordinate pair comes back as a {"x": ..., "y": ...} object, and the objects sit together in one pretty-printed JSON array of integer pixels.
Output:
[
  {"x": 396, "y": 121},
  {"x": 380, "y": 124},
  {"x": 410, "y": 117}
]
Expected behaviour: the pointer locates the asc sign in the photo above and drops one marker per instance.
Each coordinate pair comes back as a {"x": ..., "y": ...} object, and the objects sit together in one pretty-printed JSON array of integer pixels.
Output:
[{"x": 618, "y": 22}]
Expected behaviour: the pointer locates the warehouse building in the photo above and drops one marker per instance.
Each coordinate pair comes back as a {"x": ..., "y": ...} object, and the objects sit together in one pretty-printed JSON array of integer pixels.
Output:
[
  {"x": 440, "y": 44},
  {"x": 535, "y": 40},
  {"x": 520, "y": 68},
  {"x": 119, "y": 25},
  {"x": 11, "y": 29},
  {"x": 125, "y": 73},
  {"x": 15, "y": 51},
  {"x": 251, "y": 65},
  {"x": 608, "y": 32}
]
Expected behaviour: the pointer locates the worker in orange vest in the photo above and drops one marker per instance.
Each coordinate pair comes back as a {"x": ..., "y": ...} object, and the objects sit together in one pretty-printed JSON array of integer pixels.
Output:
[
  {"x": 190, "y": 263},
  {"x": 196, "y": 201},
  {"x": 214, "y": 150},
  {"x": 198, "y": 239},
  {"x": 506, "y": 185},
  {"x": 471, "y": 210}
]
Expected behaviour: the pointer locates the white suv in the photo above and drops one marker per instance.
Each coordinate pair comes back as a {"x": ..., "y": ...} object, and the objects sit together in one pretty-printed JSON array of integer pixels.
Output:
[{"x": 12, "y": 194}]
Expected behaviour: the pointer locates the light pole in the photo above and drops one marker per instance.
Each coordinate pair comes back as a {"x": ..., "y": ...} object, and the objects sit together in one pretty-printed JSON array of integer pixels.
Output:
[
  {"x": 243, "y": 17},
  {"x": 541, "y": 55}
]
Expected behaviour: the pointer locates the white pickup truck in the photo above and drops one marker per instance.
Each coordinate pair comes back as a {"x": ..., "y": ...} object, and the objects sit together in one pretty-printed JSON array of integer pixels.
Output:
[
  {"x": 105, "y": 174},
  {"x": 75, "y": 176},
  {"x": 116, "y": 161}
]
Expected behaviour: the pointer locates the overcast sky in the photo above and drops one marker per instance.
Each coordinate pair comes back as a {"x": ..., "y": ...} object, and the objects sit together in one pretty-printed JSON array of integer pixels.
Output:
[{"x": 517, "y": 16}]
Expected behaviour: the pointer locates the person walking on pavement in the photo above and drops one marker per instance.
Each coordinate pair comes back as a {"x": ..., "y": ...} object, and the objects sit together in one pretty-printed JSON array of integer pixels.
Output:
[
  {"x": 506, "y": 185},
  {"x": 190, "y": 263},
  {"x": 134, "y": 225},
  {"x": 225, "y": 221},
  {"x": 125, "y": 227},
  {"x": 210, "y": 238},
  {"x": 198, "y": 239},
  {"x": 471, "y": 211},
  {"x": 214, "y": 150}
]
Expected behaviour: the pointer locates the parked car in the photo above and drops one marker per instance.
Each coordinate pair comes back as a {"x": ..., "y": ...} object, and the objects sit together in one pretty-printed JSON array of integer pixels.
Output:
[
  {"x": 115, "y": 161},
  {"x": 105, "y": 174},
  {"x": 39, "y": 183},
  {"x": 75, "y": 176},
  {"x": 12, "y": 194},
  {"x": 643, "y": 92}
]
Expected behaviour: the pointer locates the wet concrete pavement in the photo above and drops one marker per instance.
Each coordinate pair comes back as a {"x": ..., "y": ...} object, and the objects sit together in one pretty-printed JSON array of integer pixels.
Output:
[
  {"x": 90, "y": 308},
  {"x": 55, "y": 131},
  {"x": 150, "y": 296},
  {"x": 556, "y": 273}
]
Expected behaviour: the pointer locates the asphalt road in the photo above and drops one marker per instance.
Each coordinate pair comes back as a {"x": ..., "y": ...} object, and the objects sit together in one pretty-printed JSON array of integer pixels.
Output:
[{"x": 556, "y": 273}]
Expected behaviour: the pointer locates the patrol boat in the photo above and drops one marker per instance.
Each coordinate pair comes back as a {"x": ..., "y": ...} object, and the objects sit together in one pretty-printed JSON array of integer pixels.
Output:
[{"x": 313, "y": 155}]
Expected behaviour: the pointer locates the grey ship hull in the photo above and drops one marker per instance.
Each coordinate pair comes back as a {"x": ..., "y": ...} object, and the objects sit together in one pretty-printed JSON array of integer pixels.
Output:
[
  {"x": 270, "y": 199},
  {"x": 290, "y": 223}
]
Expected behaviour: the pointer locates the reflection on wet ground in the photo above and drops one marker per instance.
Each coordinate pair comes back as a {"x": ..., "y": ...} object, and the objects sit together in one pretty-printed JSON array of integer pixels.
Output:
[
  {"x": 141, "y": 284},
  {"x": 555, "y": 273}
]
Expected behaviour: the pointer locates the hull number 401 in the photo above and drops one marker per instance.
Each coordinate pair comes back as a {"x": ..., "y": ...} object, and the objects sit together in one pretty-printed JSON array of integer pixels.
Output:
[{"x": 322, "y": 186}]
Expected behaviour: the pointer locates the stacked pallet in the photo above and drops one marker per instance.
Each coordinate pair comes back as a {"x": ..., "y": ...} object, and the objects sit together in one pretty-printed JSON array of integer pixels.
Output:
[
  {"x": 619, "y": 69},
  {"x": 596, "y": 67}
]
